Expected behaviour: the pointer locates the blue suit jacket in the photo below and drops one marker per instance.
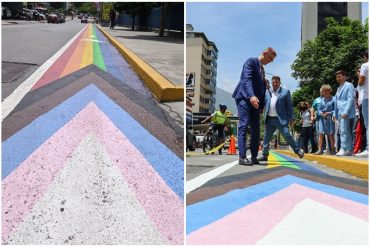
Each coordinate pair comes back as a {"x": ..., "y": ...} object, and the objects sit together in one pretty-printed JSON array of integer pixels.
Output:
[
  {"x": 284, "y": 106},
  {"x": 251, "y": 83},
  {"x": 344, "y": 101}
]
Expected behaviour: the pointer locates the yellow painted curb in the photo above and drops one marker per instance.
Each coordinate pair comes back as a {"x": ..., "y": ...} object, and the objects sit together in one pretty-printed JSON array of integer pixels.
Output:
[
  {"x": 162, "y": 89},
  {"x": 354, "y": 167}
]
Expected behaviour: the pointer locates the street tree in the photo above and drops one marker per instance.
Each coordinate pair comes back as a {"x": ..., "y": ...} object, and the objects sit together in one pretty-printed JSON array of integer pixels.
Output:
[
  {"x": 134, "y": 9},
  {"x": 338, "y": 47}
]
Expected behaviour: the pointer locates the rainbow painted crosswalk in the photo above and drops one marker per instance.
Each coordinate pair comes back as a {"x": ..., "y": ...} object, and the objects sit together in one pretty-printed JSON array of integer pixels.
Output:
[
  {"x": 89, "y": 158},
  {"x": 280, "y": 205}
]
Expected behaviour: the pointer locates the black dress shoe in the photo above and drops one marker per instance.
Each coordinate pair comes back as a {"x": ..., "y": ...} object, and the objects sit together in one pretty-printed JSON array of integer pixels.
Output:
[
  {"x": 244, "y": 162},
  {"x": 263, "y": 158},
  {"x": 255, "y": 161}
]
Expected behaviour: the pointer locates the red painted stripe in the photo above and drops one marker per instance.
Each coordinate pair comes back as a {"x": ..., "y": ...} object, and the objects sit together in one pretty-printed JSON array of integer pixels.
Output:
[{"x": 56, "y": 69}]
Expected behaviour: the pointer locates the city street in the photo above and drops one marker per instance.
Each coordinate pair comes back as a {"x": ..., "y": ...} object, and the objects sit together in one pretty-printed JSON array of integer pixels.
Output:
[
  {"x": 88, "y": 154},
  {"x": 298, "y": 201}
]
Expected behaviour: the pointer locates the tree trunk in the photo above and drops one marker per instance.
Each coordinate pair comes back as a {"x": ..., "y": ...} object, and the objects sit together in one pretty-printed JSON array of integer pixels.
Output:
[
  {"x": 133, "y": 23},
  {"x": 161, "y": 23}
]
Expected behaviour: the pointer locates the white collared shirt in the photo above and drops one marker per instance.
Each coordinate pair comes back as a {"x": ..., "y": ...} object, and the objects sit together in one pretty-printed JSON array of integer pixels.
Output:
[{"x": 274, "y": 97}]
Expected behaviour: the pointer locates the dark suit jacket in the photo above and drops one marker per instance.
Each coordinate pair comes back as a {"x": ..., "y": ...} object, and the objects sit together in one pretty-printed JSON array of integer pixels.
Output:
[
  {"x": 251, "y": 83},
  {"x": 284, "y": 106}
]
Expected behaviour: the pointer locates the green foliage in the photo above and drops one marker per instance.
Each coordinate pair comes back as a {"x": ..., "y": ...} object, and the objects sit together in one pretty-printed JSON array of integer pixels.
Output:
[
  {"x": 85, "y": 7},
  {"x": 134, "y": 8},
  {"x": 338, "y": 47}
]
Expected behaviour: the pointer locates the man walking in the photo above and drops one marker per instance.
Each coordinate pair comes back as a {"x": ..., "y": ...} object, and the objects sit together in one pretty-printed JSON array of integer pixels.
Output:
[
  {"x": 249, "y": 96},
  {"x": 278, "y": 114},
  {"x": 363, "y": 82},
  {"x": 345, "y": 113}
]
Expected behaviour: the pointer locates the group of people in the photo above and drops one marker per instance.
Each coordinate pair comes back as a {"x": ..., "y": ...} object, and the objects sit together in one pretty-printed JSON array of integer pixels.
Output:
[
  {"x": 338, "y": 117},
  {"x": 253, "y": 95}
]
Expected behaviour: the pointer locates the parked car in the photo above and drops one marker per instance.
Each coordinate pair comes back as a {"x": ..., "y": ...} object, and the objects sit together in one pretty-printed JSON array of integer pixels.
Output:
[
  {"x": 41, "y": 17},
  {"x": 80, "y": 15},
  {"x": 5, "y": 13},
  {"x": 25, "y": 14},
  {"x": 56, "y": 18}
]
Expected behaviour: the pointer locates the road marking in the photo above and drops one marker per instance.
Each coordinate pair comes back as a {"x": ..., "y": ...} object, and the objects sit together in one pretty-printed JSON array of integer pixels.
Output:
[
  {"x": 205, "y": 177},
  {"x": 17, "y": 95}
]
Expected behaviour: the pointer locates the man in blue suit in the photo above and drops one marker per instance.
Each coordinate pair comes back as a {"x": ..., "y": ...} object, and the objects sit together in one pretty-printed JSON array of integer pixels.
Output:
[
  {"x": 345, "y": 113},
  {"x": 278, "y": 114},
  {"x": 249, "y": 96}
]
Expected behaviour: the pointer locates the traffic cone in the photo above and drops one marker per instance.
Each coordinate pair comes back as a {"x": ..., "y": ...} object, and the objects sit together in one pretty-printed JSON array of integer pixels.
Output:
[{"x": 232, "y": 149}]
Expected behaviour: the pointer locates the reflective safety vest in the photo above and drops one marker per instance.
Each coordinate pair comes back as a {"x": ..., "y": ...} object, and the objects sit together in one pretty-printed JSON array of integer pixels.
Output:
[{"x": 219, "y": 118}]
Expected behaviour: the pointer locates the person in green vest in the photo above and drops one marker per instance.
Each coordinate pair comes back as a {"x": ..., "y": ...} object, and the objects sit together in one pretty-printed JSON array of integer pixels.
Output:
[{"x": 219, "y": 122}]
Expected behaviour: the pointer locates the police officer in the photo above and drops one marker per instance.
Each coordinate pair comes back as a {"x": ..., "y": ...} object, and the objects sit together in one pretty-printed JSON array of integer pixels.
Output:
[{"x": 218, "y": 122}]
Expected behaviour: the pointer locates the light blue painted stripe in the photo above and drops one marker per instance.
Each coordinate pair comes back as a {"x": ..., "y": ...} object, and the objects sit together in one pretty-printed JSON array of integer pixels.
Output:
[
  {"x": 206, "y": 212},
  {"x": 300, "y": 164},
  {"x": 109, "y": 58},
  {"x": 17, "y": 148}
]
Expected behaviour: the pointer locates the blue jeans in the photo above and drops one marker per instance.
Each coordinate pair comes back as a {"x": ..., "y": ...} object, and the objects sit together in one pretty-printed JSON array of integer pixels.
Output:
[
  {"x": 346, "y": 134},
  {"x": 365, "y": 114},
  {"x": 273, "y": 123}
]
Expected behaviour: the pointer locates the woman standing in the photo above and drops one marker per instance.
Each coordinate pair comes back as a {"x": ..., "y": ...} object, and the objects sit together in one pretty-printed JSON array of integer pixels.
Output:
[
  {"x": 307, "y": 133},
  {"x": 326, "y": 124}
]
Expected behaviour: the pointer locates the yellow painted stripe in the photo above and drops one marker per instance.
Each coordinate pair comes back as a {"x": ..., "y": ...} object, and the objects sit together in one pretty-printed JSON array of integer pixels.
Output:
[
  {"x": 354, "y": 167},
  {"x": 160, "y": 87},
  {"x": 88, "y": 54},
  {"x": 74, "y": 61},
  {"x": 272, "y": 161}
]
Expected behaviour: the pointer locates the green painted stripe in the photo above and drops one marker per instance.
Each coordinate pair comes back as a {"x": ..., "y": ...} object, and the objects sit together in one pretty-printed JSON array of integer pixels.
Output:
[
  {"x": 284, "y": 162},
  {"x": 98, "y": 56}
]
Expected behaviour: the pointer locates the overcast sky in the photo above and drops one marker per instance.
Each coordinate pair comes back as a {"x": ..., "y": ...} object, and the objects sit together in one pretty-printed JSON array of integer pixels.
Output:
[{"x": 242, "y": 30}]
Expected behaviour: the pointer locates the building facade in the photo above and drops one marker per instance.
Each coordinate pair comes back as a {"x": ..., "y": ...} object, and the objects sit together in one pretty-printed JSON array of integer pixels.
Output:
[
  {"x": 314, "y": 14},
  {"x": 201, "y": 64}
]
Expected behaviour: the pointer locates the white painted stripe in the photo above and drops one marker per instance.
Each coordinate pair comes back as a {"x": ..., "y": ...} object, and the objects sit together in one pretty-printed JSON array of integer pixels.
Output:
[
  {"x": 17, "y": 95},
  {"x": 89, "y": 202},
  {"x": 324, "y": 226},
  {"x": 205, "y": 177}
]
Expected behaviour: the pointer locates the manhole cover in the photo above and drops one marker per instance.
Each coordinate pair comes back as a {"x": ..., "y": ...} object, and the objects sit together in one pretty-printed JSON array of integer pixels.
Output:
[{"x": 11, "y": 71}]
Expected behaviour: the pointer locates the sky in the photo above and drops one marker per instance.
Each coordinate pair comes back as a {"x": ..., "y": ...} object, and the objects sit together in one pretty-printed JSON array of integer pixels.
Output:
[{"x": 243, "y": 30}]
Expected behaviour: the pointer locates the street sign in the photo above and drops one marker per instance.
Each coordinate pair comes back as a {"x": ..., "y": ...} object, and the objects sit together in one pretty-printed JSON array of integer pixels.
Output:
[
  {"x": 190, "y": 80},
  {"x": 105, "y": 15}
]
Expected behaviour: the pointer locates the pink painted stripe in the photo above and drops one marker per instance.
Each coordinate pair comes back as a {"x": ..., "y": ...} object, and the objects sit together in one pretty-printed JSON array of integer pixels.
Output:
[
  {"x": 162, "y": 205},
  {"x": 56, "y": 69},
  {"x": 251, "y": 223},
  {"x": 26, "y": 185}
]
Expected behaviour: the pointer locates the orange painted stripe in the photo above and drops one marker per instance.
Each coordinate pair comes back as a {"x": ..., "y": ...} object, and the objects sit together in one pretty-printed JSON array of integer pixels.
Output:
[
  {"x": 88, "y": 54},
  {"x": 76, "y": 58}
]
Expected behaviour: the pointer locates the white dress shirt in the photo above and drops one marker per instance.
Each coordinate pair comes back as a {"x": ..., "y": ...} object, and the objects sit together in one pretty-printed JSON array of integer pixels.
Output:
[{"x": 274, "y": 97}]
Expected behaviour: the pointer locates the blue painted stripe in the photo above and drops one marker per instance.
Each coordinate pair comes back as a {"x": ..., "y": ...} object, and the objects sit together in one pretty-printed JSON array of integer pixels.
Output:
[
  {"x": 17, "y": 148},
  {"x": 300, "y": 164},
  {"x": 109, "y": 58},
  {"x": 206, "y": 212}
]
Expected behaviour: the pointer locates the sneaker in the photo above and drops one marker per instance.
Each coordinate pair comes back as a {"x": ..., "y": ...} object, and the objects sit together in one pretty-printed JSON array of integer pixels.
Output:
[
  {"x": 300, "y": 153},
  {"x": 363, "y": 154},
  {"x": 245, "y": 162},
  {"x": 348, "y": 153},
  {"x": 341, "y": 152},
  {"x": 320, "y": 152}
]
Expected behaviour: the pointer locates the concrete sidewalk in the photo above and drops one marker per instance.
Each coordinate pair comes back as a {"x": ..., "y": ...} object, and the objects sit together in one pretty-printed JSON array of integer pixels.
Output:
[{"x": 164, "y": 54}]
